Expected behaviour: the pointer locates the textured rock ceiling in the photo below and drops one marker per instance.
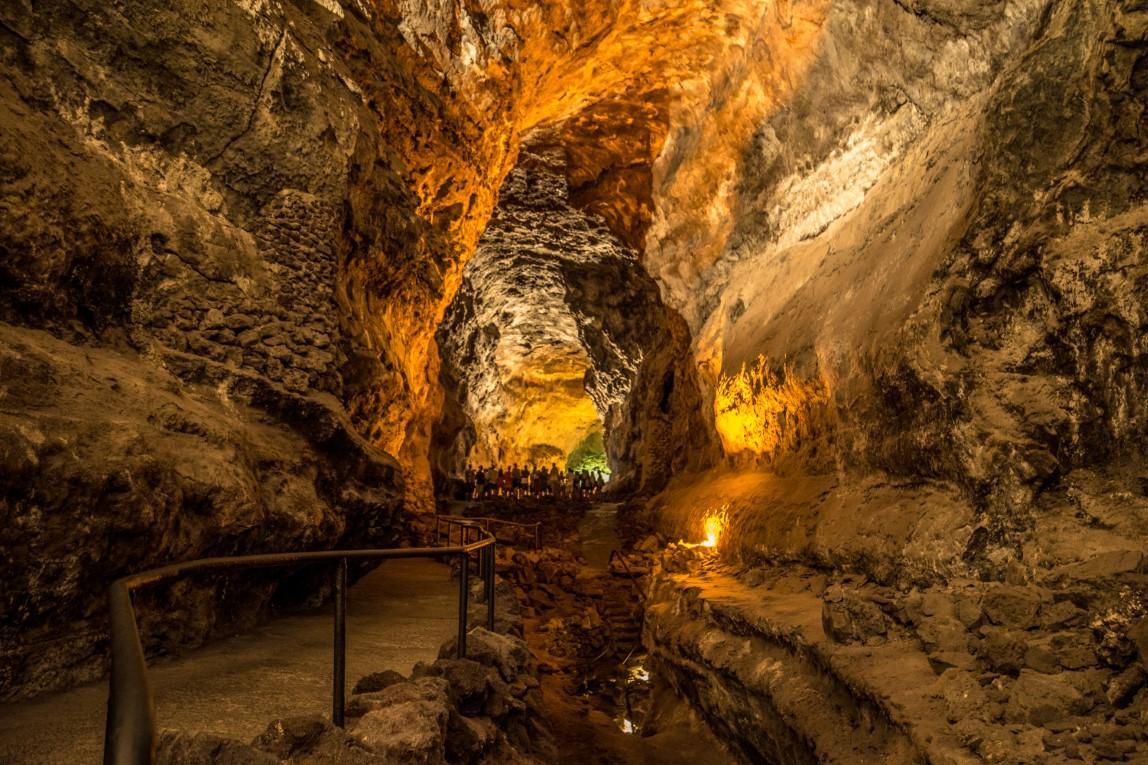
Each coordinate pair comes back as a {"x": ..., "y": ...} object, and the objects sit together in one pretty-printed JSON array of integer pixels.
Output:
[{"x": 604, "y": 81}]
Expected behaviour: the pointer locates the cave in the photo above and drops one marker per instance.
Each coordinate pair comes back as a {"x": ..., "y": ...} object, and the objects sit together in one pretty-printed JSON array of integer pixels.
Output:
[{"x": 846, "y": 299}]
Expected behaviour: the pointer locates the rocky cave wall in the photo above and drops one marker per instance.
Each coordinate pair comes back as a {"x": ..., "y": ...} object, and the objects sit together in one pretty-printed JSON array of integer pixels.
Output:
[
  {"x": 921, "y": 310},
  {"x": 558, "y": 332},
  {"x": 174, "y": 355},
  {"x": 925, "y": 218}
]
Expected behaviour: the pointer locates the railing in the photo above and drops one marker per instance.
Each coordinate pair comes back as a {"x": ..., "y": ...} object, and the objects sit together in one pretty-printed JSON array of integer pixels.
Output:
[
  {"x": 450, "y": 522},
  {"x": 130, "y": 737}
]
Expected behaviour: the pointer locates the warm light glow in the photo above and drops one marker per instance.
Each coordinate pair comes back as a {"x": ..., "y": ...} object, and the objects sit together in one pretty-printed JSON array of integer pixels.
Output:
[
  {"x": 539, "y": 412},
  {"x": 713, "y": 525},
  {"x": 761, "y": 411}
]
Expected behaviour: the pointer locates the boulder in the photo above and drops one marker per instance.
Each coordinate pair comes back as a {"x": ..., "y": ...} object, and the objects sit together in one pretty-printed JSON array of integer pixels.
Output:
[
  {"x": 313, "y": 740},
  {"x": 963, "y": 696},
  {"x": 469, "y": 737},
  {"x": 1012, "y": 607},
  {"x": 509, "y": 655},
  {"x": 285, "y": 738},
  {"x": 409, "y": 733},
  {"x": 1106, "y": 565},
  {"x": 1037, "y": 699},
  {"x": 469, "y": 683},
  {"x": 852, "y": 618},
  {"x": 432, "y": 690},
  {"x": 943, "y": 635},
  {"x": 377, "y": 681},
  {"x": 1002, "y": 650},
  {"x": 1064, "y": 614},
  {"x": 178, "y": 748},
  {"x": 1123, "y": 688}
]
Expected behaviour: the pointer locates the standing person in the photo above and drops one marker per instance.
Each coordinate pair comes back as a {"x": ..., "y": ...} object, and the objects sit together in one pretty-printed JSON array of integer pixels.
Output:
[
  {"x": 479, "y": 483},
  {"x": 468, "y": 480},
  {"x": 554, "y": 482}
]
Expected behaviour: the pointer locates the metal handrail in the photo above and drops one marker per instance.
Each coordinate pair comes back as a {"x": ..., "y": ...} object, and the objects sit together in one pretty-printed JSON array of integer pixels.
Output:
[
  {"x": 485, "y": 522},
  {"x": 130, "y": 735}
]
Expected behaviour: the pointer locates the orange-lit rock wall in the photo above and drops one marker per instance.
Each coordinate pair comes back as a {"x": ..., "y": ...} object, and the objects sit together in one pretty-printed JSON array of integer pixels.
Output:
[
  {"x": 907, "y": 243},
  {"x": 267, "y": 206}
]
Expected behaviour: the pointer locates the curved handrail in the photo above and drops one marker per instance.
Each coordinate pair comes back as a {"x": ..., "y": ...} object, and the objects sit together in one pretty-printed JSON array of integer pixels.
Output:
[
  {"x": 535, "y": 527},
  {"x": 130, "y": 735}
]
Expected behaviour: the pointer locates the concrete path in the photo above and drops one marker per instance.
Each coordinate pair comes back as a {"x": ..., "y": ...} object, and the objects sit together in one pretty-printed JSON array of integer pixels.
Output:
[
  {"x": 598, "y": 530},
  {"x": 396, "y": 616}
]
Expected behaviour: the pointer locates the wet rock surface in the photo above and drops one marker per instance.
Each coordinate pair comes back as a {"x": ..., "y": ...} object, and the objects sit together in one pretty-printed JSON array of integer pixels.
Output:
[{"x": 601, "y": 700}]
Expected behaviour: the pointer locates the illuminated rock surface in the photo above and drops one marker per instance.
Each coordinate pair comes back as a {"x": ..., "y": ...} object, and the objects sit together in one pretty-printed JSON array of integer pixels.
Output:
[
  {"x": 557, "y": 333},
  {"x": 879, "y": 265}
]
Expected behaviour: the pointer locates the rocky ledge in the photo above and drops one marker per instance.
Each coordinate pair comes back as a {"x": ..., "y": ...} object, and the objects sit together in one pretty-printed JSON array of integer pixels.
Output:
[{"x": 800, "y": 665}]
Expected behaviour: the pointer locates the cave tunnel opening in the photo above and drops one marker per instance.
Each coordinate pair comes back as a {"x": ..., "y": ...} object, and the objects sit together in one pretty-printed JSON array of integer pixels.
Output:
[{"x": 539, "y": 358}]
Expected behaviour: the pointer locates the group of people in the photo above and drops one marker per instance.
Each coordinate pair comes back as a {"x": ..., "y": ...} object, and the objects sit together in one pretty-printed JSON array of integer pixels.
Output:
[{"x": 528, "y": 481}]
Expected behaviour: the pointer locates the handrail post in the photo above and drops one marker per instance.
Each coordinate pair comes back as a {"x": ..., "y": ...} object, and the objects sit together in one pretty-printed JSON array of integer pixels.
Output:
[
  {"x": 463, "y": 595},
  {"x": 489, "y": 550},
  {"x": 339, "y": 674},
  {"x": 130, "y": 732}
]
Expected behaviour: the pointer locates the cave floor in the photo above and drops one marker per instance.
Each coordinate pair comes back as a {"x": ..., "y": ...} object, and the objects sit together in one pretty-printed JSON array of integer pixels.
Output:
[
  {"x": 585, "y": 730},
  {"x": 396, "y": 616}
]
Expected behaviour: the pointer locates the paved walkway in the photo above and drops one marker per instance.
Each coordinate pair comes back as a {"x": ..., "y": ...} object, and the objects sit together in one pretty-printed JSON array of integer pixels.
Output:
[
  {"x": 598, "y": 530},
  {"x": 396, "y": 616}
]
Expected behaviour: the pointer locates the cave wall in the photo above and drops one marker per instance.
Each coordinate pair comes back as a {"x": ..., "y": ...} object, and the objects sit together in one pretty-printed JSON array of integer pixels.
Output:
[
  {"x": 555, "y": 310},
  {"x": 511, "y": 339},
  {"x": 203, "y": 206},
  {"x": 174, "y": 352},
  {"x": 919, "y": 225},
  {"x": 931, "y": 282}
]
